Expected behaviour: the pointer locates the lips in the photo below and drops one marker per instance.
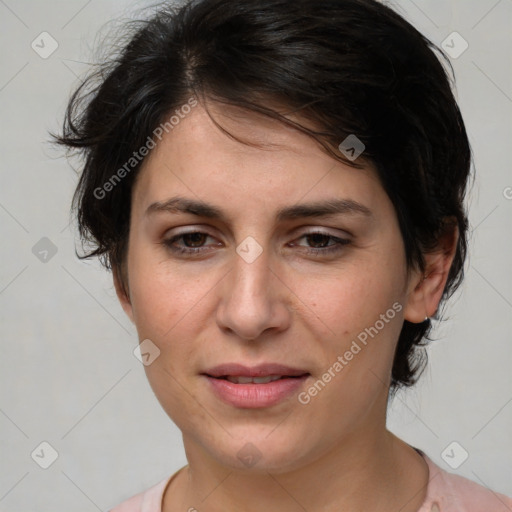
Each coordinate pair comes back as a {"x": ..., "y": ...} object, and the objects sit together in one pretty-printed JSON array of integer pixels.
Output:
[
  {"x": 261, "y": 374},
  {"x": 255, "y": 387},
  {"x": 252, "y": 380}
]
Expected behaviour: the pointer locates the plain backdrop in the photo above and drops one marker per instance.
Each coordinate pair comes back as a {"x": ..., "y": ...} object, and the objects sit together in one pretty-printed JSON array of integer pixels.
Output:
[{"x": 69, "y": 376}]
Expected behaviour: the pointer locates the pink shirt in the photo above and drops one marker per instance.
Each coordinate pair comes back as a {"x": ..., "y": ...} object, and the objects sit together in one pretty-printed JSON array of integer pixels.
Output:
[{"x": 446, "y": 492}]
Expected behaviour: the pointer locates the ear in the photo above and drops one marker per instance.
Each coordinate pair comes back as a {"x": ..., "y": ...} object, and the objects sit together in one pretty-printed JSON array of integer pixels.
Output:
[
  {"x": 426, "y": 289},
  {"x": 122, "y": 292}
]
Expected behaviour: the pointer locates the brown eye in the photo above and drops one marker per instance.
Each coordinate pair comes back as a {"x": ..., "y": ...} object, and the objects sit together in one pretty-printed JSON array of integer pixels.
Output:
[
  {"x": 319, "y": 243},
  {"x": 318, "y": 239},
  {"x": 187, "y": 243},
  {"x": 194, "y": 239}
]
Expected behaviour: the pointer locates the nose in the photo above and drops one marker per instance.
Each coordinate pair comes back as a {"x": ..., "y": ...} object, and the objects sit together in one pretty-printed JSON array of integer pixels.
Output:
[{"x": 253, "y": 299}]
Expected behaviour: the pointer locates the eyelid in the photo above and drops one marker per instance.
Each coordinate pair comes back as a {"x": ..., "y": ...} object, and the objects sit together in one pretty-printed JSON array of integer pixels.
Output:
[
  {"x": 302, "y": 231},
  {"x": 169, "y": 239},
  {"x": 324, "y": 230},
  {"x": 327, "y": 251},
  {"x": 338, "y": 240},
  {"x": 177, "y": 232}
]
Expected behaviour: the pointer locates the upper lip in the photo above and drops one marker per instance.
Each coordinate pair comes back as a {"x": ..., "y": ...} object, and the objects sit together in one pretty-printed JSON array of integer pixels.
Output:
[{"x": 261, "y": 370}]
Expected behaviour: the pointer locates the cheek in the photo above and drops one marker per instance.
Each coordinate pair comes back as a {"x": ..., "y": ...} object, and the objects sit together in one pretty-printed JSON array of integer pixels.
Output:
[
  {"x": 162, "y": 296},
  {"x": 352, "y": 300},
  {"x": 357, "y": 359},
  {"x": 165, "y": 305},
  {"x": 360, "y": 310}
]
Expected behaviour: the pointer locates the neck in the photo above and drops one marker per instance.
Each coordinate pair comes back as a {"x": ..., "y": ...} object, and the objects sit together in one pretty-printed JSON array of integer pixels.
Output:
[{"x": 366, "y": 472}]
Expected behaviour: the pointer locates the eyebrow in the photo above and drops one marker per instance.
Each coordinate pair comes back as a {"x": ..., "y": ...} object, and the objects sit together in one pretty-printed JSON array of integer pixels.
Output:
[{"x": 299, "y": 211}]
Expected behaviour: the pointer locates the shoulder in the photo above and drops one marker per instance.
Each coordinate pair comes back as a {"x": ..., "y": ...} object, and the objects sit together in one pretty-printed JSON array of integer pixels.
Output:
[
  {"x": 454, "y": 493},
  {"x": 147, "y": 501}
]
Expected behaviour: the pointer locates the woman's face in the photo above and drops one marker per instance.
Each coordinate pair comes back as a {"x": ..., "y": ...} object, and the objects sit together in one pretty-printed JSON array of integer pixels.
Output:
[{"x": 256, "y": 274}]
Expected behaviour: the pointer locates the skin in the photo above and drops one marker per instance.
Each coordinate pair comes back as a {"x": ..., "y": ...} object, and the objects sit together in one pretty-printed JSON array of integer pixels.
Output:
[{"x": 288, "y": 306}]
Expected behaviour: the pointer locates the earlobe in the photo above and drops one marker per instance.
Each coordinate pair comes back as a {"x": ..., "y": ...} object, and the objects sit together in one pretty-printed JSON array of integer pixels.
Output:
[
  {"x": 122, "y": 293},
  {"x": 427, "y": 289},
  {"x": 415, "y": 309}
]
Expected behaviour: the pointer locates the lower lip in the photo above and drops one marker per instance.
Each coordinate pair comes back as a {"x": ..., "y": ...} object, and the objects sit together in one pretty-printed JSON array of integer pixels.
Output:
[{"x": 252, "y": 396}]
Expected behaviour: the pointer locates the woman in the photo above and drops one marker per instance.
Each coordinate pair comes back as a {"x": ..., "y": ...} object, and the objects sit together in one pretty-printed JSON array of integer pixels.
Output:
[{"x": 278, "y": 189}]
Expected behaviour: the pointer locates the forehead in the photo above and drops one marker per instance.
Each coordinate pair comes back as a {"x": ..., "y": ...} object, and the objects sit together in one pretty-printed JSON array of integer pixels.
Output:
[{"x": 270, "y": 163}]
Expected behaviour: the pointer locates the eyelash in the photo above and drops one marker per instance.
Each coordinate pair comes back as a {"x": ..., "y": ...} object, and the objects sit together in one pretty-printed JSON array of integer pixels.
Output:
[{"x": 335, "y": 248}]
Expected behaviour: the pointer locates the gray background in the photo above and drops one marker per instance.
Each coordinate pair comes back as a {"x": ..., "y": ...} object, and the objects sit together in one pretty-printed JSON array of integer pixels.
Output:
[{"x": 68, "y": 373}]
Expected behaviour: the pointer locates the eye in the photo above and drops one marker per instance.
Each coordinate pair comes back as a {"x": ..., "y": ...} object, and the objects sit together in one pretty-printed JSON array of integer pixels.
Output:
[
  {"x": 192, "y": 242},
  {"x": 323, "y": 243}
]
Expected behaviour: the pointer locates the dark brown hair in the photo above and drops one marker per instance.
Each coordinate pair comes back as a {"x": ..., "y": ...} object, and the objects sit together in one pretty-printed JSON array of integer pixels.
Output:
[{"x": 352, "y": 67}]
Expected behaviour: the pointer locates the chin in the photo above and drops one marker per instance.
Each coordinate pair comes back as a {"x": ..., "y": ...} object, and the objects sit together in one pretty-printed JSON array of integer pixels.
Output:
[{"x": 264, "y": 449}]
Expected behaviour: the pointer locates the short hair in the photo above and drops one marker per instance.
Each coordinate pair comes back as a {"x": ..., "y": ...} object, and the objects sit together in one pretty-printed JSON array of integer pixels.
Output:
[{"x": 352, "y": 67}]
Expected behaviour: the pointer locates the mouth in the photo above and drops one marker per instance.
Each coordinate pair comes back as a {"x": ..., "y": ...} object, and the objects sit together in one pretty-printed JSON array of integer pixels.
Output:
[
  {"x": 255, "y": 387},
  {"x": 240, "y": 379},
  {"x": 260, "y": 374}
]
